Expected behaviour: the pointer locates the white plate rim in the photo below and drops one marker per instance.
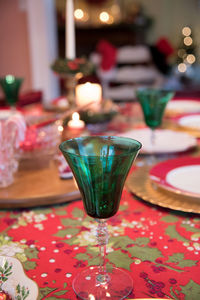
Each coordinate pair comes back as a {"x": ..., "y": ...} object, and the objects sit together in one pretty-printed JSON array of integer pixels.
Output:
[
  {"x": 193, "y": 140},
  {"x": 161, "y": 181}
]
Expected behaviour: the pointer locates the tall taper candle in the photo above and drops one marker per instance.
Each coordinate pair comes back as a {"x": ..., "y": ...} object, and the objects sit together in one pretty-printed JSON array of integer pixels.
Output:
[{"x": 70, "y": 31}]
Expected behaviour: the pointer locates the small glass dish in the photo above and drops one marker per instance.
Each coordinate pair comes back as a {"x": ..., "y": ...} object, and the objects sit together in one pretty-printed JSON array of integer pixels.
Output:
[{"x": 40, "y": 144}]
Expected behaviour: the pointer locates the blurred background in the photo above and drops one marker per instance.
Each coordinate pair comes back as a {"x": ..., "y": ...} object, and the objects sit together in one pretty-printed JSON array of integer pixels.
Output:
[{"x": 32, "y": 34}]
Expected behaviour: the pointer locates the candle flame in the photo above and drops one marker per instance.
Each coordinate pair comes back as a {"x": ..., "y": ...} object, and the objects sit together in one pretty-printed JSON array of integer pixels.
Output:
[{"x": 75, "y": 116}]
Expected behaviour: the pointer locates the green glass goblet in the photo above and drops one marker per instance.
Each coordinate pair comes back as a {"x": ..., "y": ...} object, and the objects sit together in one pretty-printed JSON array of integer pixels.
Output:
[
  {"x": 11, "y": 86},
  {"x": 100, "y": 165},
  {"x": 153, "y": 103}
]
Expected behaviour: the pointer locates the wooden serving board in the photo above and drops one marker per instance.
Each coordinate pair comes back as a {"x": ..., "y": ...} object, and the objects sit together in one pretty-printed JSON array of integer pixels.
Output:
[{"x": 38, "y": 187}]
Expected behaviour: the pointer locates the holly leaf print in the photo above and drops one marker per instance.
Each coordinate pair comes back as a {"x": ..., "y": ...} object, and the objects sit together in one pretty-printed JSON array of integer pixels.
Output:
[
  {"x": 173, "y": 294},
  {"x": 120, "y": 241},
  {"x": 169, "y": 219},
  {"x": 188, "y": 227},
  {"x": 44, "y": 211},
  {"x": 178, "y": 259},
  {"x": 29, "y": 265},
  {"x": 142, "y": 241},
  {"x": 82, "y": 256},
  {"x": 123, "y": 207},
  {"x": 78, "y": 213},
  {"x": 187, "y": 263},
  {"x": 93, "y": 251},
  {"x": 45, "y": 291},
  {"x": 94, "y": 261},
  {"x": 172, "y": 232},
  {"x": 192, "y": 289},
  {"x": 61, "y": 212},
  {"x": 145, "y": 253},
  {"x": 72, "y": 241},
  {"x": 120, "y": 259},
  {"x": 60, "y": 293},
  {"x": 70, "y": 222},
  {"x": 31, "y": 252},
  {"x": 68, "y": 231}
]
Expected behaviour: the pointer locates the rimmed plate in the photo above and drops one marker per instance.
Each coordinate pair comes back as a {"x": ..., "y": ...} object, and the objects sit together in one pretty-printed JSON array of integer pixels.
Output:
[
  {"x": 15, "y": 282},
  {"x": 166, "y": 141},
  {"x": 139, "y": 184},
  {"x": 180, "y": 176},
  {"x": 189, "y": 121},
  {"x": 182, "y": 106}
]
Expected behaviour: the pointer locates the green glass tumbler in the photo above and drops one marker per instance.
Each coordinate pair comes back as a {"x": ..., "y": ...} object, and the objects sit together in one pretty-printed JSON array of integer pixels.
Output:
[
  {"x": 153, "y": 103},
  {"x": 11, "y": 86},
  {"x": 100, "y": 165}
]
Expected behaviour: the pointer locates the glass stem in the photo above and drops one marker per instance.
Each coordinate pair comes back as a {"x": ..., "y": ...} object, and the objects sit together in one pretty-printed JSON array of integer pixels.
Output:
[
  {"x": 152, "y": 140},
  {"x": 102, "y": 240},
  {"x": 153, "y": 137}
]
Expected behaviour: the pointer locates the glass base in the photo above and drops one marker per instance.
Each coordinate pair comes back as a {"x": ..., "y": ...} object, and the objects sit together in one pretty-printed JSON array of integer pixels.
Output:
[{"x": 87, "y": 286}]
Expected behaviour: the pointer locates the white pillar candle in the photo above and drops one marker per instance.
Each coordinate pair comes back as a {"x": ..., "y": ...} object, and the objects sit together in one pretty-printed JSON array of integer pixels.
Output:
[
  {"x": 76, "y": 123},
  {"x": 70, "y": 31},
  {"x": 87, "y": 93}
]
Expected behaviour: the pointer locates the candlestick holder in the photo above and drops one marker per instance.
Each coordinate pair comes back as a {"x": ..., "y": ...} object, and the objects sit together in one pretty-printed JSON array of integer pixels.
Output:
[{"x": 71, "y": 70}]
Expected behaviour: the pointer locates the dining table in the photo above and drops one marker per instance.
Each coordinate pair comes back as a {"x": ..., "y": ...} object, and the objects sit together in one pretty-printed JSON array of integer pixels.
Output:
[{"x": 158, "y": 246}]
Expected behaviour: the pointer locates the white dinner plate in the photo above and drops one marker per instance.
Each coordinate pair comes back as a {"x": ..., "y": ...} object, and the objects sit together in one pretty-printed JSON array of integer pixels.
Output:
[
  {"x": 166, "y": 141},
  {"x": 181, "y": 176},
  {"x": 190, "y": 121},
  {"x": 183, "y": 106},
  {"x": 16, "y": 283}
]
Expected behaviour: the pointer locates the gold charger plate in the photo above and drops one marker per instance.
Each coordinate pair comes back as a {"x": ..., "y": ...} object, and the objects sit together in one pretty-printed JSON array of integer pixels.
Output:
[
  {"x": 140, "y": 184},
  {"x": 174, "y": 126}
]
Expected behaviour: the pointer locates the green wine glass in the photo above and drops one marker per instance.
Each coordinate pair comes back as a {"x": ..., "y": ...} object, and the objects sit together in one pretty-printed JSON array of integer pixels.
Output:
[
  {"x": 11, "y": 86},
  {"x": 153, "y": 103},
  {"x": 100, "y": 165}
]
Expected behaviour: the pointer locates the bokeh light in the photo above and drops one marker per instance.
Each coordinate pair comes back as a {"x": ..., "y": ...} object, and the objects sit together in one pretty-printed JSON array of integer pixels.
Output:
[
  {"x": 182, "y": 67},
  {"x": 104, "y": 17},
  {"x": 188, "y": 41},
  {"x": 190, "y": 58},
  {"x": 186, "y": 31},
  {"x": 79, "y": 14}
]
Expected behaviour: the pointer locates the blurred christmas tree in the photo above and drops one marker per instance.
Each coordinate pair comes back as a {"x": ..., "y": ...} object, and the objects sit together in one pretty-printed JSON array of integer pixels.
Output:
[{"x": 186, "y": 54}]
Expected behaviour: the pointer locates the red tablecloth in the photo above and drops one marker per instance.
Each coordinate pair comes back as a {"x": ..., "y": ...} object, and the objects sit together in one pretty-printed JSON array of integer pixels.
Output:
[{"x": 159, "y": 248}]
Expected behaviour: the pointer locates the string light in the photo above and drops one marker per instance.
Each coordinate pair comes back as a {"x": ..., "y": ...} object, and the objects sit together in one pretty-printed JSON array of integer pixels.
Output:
[
  {"x": 182, "y": 67},
  {"x": 79, "y": 14},
  {"x": 188, "y": 41},
  {"x": 104, "y": 17},
  {"x": 186, "y": 31},
  {"x": 187, "y": 59},
  {"x": 190, "y": 58},
  {"x": 181, "y": 53}
]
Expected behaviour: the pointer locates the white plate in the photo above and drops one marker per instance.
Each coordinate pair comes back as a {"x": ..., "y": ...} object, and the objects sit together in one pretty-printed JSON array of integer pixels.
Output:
[
  {"x": 180, "y": 175},
  {"x": 183, "y": 106},
  {"x": 185, "y": 178},
  {"x": 16, "y": 280},
  {"x": 192, "y": 122},
  {"x": 166, "y": 141}
]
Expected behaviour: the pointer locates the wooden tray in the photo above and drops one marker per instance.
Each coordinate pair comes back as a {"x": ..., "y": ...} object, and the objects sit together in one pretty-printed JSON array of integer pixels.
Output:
[{"x": 38, "y": 187}]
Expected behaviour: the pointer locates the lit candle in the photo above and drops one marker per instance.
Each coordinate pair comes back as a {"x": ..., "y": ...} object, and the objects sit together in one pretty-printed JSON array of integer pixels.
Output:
[
  {"x": 76, "y": 123},
  {"x": 87, "y": 93},
  {"x": 70, "y": 30}
]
